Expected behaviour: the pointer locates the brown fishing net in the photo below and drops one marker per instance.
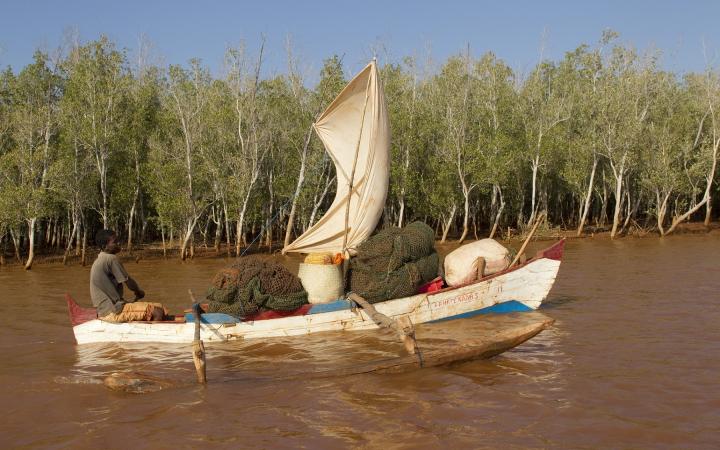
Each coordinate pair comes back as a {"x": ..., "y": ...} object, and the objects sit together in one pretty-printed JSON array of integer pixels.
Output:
[
  {"x": 394, "y": 263},
  {"x": 254, "y": 283}
]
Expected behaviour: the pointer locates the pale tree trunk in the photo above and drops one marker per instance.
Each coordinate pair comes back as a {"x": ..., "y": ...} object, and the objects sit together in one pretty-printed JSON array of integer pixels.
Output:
[
  {"x": 662, "y": 201},
  {"x": 204, "y": 231},
  {"x": 32, "y": 222},
  {"x": 298, "y": 188},
  {"x": 521, "y": 205},
  {"x": 618, "y": 173},
  {"x": 136, "y": 194},
  {"x": 319, "y": 201},
  {"x": 406, "y": 154},
  {"x": 255, "y": 173},
  {"x": 130, "y": 228},
  {"x": 271, "y": 206},
  {"x": 497, "y": 192},
  {"x": 602, "y": 217},
  {"x": 217, "y": 220},
  {"x": 447, "y": 223},
  {"x": 401, "y": 196},
  {"x": 588, "y": 198},
  {"x": 629, "y": 210},
  {"x": 189, "y": 229},
  {"x": 100, "y": 161},
  {"x": 228, "y": 245},
  {"x": 31, "y": 243},
  {"x": 466, "y": 190},
  {"x": 401, "y": 207},
  {"x": 239, "y": 233},
  {"x": 56, "y": 234},
  {"x": 708, "y": 188},
  {"x": 143, "y": 221},
  {"x": 70, "y": 237},
  {"x": 162, "y": 235},
  {"x": 466, "y": 214},
  {"x": 83, "y": 261},
  {"x": 48, "y": 231},
  {"x": 245, "y": 142},
  {"x": 535, "y": 165},
  {"x": 78, "y": 239},
  {"x": 103, "y": 188},
  {"x": 474, "y": 221},
  {"x": 618, "y": 207},
  {"x": 241, "y": 218},
  {"x": 708, "y": 212},
  {"x": 185, "y": 118},
  {"x": 466, "y": 210},
  {"x": 15, "y": 236}
]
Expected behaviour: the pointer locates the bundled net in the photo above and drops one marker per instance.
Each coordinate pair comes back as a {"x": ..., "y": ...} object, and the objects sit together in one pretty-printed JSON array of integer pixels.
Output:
[
  {"x": 254, "y": 283},
  {"x": 394, "y": 263}
]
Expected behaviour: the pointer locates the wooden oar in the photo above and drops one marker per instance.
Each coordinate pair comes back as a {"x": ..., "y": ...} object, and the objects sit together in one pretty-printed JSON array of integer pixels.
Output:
[
  {"x": 527, "y": 239},
  {"x": 198, "y": 347},
  {"x": 402, "y": 327}
]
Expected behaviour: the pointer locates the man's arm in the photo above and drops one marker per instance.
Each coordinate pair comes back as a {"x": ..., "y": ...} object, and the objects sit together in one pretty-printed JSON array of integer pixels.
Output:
[
  {"x": 121, "y": 275},
  {"x": 133, "y": 286}
]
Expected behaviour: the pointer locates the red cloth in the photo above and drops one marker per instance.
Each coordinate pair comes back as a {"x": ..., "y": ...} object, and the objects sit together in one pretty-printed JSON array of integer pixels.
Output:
[{"x": 431, "y": 286}]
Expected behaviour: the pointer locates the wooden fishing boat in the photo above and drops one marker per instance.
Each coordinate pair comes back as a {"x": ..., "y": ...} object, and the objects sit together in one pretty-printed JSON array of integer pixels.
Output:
[
  {"x": 519, "y": 288},
  {"x": 355, "y": 131}
]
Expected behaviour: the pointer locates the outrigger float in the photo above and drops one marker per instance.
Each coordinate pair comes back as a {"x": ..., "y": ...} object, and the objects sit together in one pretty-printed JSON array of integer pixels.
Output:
[{"x": 356, "y": 134}]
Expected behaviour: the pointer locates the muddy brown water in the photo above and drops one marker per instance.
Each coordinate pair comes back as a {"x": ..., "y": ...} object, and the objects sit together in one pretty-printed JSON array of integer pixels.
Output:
[{"x": 633, "y": 361}]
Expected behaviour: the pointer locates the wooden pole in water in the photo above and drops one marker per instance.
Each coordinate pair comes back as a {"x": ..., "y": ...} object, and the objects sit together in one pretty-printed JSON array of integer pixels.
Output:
[
  {"x": 198, "y": 347},
  {"x": 402, "y": 327}
]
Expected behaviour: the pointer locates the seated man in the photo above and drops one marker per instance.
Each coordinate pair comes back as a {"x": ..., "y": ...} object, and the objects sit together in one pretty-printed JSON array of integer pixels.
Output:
[{"x": 106, "y": 290}]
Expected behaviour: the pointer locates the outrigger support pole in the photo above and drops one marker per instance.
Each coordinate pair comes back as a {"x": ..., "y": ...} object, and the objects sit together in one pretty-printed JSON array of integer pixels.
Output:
[
  {"x": 198, "y": 347},
  {"x": 402, "y": 327}
]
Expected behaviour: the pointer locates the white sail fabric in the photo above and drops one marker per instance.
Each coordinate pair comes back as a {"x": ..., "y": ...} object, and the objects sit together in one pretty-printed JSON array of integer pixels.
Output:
[{"x": 359, "y": 114}]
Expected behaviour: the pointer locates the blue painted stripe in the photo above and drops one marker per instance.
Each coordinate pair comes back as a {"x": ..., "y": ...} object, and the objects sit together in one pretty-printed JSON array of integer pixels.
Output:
[
  {"x": 498, "y": 308},
  {"x": 506, "y": 307},
  {"x": 212, "y": 318},
  {"x": 338, "y": 305}
]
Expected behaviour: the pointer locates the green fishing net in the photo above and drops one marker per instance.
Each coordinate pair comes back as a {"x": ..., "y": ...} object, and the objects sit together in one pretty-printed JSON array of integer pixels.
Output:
[
  {"x": 394, "y": 263},
  {"x": 254, "y": 283}
]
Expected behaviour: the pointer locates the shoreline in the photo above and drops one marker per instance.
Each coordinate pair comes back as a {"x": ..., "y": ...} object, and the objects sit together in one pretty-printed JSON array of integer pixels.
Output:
[{"x": 153, "y": 251}]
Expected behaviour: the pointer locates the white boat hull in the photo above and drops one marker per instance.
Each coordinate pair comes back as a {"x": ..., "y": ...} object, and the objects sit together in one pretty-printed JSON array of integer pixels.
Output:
[{"x": 524, "y": 287}]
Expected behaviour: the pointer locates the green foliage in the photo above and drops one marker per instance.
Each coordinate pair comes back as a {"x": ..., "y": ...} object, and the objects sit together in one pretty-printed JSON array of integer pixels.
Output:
[{"x": 84, "y": 140}]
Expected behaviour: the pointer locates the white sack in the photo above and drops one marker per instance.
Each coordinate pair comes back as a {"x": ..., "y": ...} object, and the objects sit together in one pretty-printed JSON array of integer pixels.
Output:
[{"x": 461, "y": 264}]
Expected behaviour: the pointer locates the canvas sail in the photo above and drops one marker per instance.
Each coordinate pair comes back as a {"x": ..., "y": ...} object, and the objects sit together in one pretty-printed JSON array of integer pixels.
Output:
[{"x": 356, "y": 134}]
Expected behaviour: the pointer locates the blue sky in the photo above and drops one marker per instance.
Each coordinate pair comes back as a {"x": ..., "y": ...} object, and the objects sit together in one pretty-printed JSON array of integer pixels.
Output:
[{"x": 181, "y": 29}]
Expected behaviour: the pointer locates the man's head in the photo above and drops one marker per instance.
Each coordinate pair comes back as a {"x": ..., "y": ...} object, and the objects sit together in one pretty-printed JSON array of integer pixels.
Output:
[{"x": 107, "y": 241}]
